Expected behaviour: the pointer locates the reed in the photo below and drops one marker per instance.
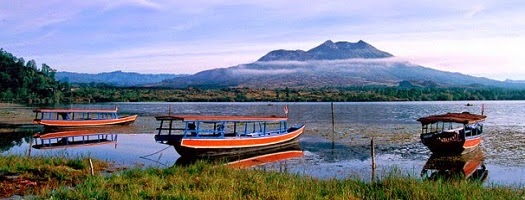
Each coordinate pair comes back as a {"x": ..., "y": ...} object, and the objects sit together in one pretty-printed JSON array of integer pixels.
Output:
[{"x": 208, "y": 181}]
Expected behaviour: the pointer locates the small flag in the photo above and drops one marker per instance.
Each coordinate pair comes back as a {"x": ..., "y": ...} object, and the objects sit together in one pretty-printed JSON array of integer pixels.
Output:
[{"x": 286, "y": 109}]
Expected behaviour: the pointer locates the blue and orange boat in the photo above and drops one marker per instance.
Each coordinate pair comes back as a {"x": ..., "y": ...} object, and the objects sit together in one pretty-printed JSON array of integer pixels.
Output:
[
  {"x": 74, "y": 118},
  {"x": 209, "y": 136}
]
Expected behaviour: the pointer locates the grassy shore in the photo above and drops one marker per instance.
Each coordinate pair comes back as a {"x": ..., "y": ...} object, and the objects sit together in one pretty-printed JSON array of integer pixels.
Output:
[{"x": 61, "y": 178}]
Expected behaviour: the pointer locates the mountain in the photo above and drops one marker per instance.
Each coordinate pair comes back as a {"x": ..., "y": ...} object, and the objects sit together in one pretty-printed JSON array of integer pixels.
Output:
[
  {"x": 116, "y": 78},
  {"x": 331, "y": 64},
  {"x": 328, "y": 51},
  {"x": 514, "y": 81}
]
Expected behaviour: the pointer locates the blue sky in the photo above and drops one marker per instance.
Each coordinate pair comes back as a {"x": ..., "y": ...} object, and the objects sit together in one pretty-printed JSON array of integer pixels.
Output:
[{"x": 480, "y": 38}]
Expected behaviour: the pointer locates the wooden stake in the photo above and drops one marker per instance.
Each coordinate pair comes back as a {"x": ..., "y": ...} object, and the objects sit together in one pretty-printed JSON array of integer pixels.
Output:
[
  {"x": 30, "y": 146},
  {"x": 333, "y": 121},
  {"x": 373, "y": 156},
  {"x": 333, "y": 127},
  {"x": 91, "y": 167}
]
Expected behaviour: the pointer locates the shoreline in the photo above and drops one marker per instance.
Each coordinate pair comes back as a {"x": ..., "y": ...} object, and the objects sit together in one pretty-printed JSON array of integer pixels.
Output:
[{"x": 17, "y": 118}]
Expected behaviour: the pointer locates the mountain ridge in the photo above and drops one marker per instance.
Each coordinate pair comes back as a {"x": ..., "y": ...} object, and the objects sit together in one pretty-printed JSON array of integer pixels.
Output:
[
  {"x": 321, "y": 66},
  {"x": 328, "y": 51},
  {"x": 116, "y": 78},
  {"x": 330, "y": 64}
]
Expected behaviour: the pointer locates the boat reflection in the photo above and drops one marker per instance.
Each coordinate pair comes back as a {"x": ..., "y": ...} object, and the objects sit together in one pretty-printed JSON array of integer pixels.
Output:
[
  {"x": 75, "y": 138},
  {"x": 252, "y": 159},
  {"x": 468, "y": 166}
]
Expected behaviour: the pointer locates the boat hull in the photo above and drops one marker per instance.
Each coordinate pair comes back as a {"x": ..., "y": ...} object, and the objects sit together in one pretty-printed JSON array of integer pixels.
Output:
[
  {"x": 234, "y": 145},
  {"x": 446, "y": 146},
  {"x": 291, "y": 149},
  {"x": 75, "y": 124}
]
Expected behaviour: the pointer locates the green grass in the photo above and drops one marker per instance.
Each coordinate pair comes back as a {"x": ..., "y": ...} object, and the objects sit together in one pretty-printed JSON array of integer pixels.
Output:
[
  {"x": 206, "y": 181},
  {"x": 46, "y": 173}
]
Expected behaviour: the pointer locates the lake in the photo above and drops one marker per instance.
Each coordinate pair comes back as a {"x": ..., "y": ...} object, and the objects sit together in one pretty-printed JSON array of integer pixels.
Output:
[{"x": 338, "y": 151}]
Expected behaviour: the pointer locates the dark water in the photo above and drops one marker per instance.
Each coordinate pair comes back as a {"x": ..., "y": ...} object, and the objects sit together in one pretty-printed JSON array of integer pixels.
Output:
[{"x": 343, "y": 154}]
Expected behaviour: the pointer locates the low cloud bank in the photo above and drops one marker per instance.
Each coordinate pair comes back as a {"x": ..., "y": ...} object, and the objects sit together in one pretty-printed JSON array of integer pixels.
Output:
[{"x": 346, "y": 65}]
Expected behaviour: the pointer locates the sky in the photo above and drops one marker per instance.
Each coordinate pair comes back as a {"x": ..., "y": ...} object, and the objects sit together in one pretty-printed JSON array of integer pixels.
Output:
[{"x": 483, "y": 38}]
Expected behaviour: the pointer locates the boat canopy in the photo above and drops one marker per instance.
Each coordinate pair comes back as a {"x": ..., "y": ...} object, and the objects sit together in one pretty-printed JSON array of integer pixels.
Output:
[
  {"x": 81, "y": 114},
  {"x": 221, "y": 126},
  {"x": 187, "y": 118},
  {"x": 74, "y": 110},
  {"x": 463, "y": 118}
]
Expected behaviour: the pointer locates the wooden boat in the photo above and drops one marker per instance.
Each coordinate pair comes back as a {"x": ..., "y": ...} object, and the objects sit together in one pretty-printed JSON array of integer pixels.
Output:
[
  {"x": 209, "y": 136},
  {"x": 469, "y": 166},
  {"x": 452, "y": 133},
  {"x": 56, "y": 119},
  {"x": 70, "y": 139}
]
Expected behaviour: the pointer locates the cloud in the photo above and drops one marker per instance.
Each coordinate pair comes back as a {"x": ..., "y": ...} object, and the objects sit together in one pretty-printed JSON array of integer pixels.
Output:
[
  {"x": 264, "y": 72},
  {"x": 347, "y": 65},
  {"x": 189, "y": 36},
  {"x": 383, "y": 61},
  {"x": 138, "y": 3},
  {"x": 475, "y": 11}
]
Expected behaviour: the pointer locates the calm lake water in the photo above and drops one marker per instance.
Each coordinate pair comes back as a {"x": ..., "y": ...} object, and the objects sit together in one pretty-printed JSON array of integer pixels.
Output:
[{"x": 343, "y": 154}]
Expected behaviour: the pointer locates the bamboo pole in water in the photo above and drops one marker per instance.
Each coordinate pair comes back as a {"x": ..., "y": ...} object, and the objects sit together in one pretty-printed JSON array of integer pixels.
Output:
[
  {"x": 333, "y": 126},
  {"x": 30, "y": 146},
  {"x": 333, "y": 123},
  {"x": 373, "y": 156}
]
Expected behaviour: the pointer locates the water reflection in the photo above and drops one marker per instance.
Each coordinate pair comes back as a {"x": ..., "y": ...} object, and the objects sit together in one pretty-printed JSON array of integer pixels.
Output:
[
  {"x": 74, "y": 138},
  {"x": 468, "y": 166},
  {"x": 10, "y": 140},
  {"x": 246, "y": 160}
]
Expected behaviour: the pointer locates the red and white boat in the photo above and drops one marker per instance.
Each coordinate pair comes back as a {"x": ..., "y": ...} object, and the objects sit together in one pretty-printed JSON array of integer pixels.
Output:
[
  {"x": 452, "y": 133},
  {"x": 210, "y": 136},
  {"x": 56, "y": 119}
]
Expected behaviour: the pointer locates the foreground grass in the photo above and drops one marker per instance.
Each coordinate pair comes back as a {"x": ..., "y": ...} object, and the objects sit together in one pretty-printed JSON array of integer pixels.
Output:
[
  {"x": 21, "y": 175},
  {"x": 206, "y": 181}
]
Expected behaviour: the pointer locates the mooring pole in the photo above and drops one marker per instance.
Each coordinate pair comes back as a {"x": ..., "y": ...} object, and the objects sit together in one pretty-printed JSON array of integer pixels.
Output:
[
  {"x": 373, "y": 156},
  {"x": 333, "y": 121},
  {"x": 333, "y": 126},
  {"x": 91, "y": 167},
  {"x": 30, "y": 146}
]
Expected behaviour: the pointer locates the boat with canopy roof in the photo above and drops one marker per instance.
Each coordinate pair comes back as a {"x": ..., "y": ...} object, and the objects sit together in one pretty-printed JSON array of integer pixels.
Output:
[
  {"x": 212, "y": 135},
  {"x": 71, "y": 118},
  {"x": 452, "y": 133}
]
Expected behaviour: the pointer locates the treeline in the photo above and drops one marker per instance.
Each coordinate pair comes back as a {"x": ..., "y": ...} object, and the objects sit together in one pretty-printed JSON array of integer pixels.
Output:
[
  {"x": 24, "y": 82},
  {"x": 347, "y": 94}
]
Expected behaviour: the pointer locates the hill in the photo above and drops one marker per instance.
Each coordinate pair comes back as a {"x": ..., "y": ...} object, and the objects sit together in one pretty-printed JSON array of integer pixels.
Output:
[
  {"x": 331, "y": 64},
  {"x": 116, "y": 78},
  {"x": 22, "y": 81}
]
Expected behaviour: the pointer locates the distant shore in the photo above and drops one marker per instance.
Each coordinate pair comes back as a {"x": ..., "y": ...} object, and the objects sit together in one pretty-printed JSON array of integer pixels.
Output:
[{"x": 16, "y": 118}]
